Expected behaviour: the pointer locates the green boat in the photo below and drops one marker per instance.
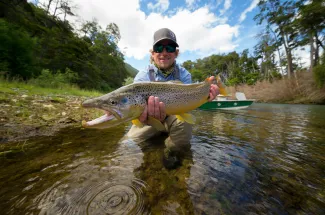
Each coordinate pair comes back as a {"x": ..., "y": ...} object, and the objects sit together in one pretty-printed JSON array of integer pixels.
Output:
[{"x": 221, "y": 102}]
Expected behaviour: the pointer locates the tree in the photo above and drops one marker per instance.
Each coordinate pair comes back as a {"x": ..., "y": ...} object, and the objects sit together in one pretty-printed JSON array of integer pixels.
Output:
[
  {"x": 280, "y": 15},
  {"x": 265, "y": 50},
  {"x": 311, "y": 24},
  {"x": 17, "y": 49}
]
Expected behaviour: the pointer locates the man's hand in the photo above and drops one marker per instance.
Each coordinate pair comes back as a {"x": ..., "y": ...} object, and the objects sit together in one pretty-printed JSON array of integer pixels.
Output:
[
  {"x": 214, "y": 90},
  {"x": 155, "y": 108}
]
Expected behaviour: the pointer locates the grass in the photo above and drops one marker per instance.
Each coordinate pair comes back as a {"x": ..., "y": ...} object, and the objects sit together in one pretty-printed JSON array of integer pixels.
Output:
[
  {"x": 301, "y": 89},
  {"x": 13, "y": 86}
]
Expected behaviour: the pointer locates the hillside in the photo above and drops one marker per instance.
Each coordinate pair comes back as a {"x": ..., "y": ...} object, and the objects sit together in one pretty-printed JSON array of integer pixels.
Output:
[{"x": 131, "y": 70}]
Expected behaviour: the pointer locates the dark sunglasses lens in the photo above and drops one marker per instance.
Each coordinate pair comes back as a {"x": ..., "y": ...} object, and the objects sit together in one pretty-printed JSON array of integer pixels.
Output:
[
  {"x": 158, "y": 48},
  {"x": 170, "y": 48}
]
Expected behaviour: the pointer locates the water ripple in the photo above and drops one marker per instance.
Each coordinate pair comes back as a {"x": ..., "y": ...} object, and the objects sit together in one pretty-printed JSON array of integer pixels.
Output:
[{"x": 121, "y": 196}]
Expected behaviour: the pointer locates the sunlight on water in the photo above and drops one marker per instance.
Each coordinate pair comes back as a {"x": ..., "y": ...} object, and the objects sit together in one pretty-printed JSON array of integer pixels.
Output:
[{"x": 267, "y": 159}]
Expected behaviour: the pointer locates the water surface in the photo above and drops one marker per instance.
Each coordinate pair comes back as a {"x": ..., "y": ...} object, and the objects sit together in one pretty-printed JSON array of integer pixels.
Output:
[{"x": 267, "y": 159}]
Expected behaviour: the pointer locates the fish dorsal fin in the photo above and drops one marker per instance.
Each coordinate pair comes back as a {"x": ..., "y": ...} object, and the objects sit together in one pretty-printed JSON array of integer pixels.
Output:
[
  {"x": 137, "y": 122},
  {"x": 156, "y": 124},
  {"x": 189, "y": 118}
]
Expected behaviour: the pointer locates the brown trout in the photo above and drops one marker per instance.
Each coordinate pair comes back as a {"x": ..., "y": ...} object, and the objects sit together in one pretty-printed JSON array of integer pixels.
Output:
[{"x": 127, "y": 103}]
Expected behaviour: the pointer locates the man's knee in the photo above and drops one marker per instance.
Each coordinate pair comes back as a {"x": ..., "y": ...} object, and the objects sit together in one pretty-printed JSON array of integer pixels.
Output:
[
  {"x": 141, "y": 134},
  {"x": 180, "y": 133}
]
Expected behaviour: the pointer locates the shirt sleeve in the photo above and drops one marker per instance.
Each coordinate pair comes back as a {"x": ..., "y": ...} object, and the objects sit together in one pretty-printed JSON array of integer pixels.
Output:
[
  {"x": 185, "y": 76},
  {"x": 141, "y": 76}
]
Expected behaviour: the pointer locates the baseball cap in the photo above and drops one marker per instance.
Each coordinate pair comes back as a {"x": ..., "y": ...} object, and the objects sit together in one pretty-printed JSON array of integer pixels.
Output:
[{"x": 162, "y": 34}]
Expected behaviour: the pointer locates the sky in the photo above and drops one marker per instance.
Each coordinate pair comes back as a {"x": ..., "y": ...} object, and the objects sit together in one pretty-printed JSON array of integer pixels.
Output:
[{"x": 202, "y": 27}]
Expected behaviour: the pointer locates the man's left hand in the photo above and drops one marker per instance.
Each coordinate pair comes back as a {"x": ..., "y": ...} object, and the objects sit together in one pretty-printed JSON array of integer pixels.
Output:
[{"x": 214, "y": 89}]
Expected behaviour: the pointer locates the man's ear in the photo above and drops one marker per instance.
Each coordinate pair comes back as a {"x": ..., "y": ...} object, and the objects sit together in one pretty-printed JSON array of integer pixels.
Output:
[{"x": 177, "y": 52}]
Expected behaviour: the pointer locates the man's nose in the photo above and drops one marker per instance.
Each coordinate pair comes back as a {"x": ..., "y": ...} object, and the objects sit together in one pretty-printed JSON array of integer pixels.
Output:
[{"x": 164, "y": 51}]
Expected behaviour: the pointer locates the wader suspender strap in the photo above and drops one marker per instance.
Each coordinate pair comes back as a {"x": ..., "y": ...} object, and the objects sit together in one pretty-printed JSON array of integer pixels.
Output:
[
  {"x": 152, "y": 75},
  {"x": 176, "y": 75}
]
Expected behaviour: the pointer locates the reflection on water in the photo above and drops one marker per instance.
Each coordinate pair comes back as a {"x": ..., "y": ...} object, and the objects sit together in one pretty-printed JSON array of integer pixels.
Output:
[{"x": 267, "y": 159}]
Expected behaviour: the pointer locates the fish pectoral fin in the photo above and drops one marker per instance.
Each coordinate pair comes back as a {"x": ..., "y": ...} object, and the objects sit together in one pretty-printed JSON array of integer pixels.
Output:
[
  {"x": 84, "y": 123},
  {"x": 156, "y": 123},
  {"x": 137, "y": 123},
  {"x": 189, "y": 118}
]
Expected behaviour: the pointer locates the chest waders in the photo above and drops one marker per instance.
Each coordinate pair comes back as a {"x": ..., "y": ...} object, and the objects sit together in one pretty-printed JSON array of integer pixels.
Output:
[{"x": 175, "y": 73}]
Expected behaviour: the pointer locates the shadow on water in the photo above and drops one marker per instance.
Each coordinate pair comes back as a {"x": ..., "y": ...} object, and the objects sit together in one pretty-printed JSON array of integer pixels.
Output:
[
  {"x": 268, "y": 159},
  {"x": 75, "y": 172},
  {"x": 168, "y": 193}
]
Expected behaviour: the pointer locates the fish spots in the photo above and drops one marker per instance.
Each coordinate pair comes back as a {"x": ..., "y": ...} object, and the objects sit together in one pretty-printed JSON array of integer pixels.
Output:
[{"x": 124, "y": 100}]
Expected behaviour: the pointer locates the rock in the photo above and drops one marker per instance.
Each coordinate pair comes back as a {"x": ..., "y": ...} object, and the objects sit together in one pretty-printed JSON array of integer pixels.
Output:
[
  {"x": 24, "y": 96},
  {"x": 67, "y": 120},
  {"x": 49, "y": 106},
  {"x": 47, "y": 117},
  {"x": 63, "y": 113}
]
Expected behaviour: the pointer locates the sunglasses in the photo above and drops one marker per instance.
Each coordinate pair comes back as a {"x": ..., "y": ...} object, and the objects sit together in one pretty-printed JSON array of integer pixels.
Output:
[{"x": 159, "y": 48}]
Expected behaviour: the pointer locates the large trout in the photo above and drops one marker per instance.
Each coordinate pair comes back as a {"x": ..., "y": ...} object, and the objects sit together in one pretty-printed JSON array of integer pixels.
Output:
[{"x": 128, "y": 102}]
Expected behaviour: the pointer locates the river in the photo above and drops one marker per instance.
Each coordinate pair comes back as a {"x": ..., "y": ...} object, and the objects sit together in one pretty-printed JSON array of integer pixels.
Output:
[{"x": 266, "y": 159}]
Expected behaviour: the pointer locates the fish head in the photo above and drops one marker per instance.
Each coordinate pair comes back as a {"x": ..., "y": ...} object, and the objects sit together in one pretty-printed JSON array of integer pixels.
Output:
[{"x": 120, "y": 106}]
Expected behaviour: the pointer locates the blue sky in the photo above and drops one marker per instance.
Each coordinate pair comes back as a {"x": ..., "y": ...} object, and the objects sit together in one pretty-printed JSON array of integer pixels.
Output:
[
  {"x": 229, "y": 13},
  {"x": 202, "y": 27}
]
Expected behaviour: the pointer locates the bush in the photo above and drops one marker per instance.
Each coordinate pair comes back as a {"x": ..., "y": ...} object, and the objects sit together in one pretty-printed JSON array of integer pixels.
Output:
[
  {"x": 127, "y": 81},
  {"x": 319, "y": 75},
  {"x": 17, "y": 51},
  {"x": 57, "y": 80}
]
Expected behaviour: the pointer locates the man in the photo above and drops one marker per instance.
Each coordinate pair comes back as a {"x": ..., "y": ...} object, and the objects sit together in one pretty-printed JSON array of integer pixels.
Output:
[{"x": 163, "y": 67}]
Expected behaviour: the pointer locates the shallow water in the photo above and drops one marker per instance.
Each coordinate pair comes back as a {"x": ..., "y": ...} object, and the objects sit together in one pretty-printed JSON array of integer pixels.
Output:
[{"x": 267, "y": 159}]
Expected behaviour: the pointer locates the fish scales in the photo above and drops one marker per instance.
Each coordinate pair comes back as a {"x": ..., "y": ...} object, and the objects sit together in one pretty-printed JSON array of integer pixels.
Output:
[
  {"x": 178, "y": 98},
  {"x": 128, "y": 103}
]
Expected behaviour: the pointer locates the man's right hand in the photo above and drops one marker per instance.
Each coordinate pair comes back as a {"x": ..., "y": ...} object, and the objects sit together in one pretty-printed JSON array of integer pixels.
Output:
[{"x": 155, "y": 108}]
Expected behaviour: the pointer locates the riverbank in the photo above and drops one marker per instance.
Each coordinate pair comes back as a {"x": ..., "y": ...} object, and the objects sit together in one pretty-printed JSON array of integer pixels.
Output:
[
  {"x": 301, "y": 89},
  {"x": 28, "y": 110}
]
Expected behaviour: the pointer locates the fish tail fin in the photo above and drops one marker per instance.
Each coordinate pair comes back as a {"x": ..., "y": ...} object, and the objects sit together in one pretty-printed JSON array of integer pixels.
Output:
[
  {"x": 189, "y": 118},
  {"x": 222, "y": 86},
  {"x": 208, "y": 80}
]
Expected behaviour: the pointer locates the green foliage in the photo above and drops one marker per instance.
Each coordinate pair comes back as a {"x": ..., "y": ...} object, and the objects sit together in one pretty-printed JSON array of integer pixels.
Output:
[
  {"x": 233, "y": 81},
  {"x": 57, "y": 80},
  {"x": 236, "y": 68},
  {"x": 128, "y": 80},
  {"x": 16, "y": 48},
  {"x": 319, "y": 75},
  {"x": 33, "y": 39},
  {"x": 131, "y": 70}
]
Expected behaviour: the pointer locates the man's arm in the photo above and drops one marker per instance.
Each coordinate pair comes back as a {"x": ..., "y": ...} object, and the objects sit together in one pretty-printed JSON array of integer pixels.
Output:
[
  {"x": 185, "y": 76},
  {"x": 141, "y": 76}
]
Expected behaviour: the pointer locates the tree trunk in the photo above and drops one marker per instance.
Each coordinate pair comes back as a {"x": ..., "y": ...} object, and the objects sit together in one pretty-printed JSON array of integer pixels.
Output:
[
  {"x": 316, "y": 61},
  {"x": 278, "y": 49},
  {"x": 49, "y": 5},
  {"x": 56, "y": 7},
  {"x": 312, "y": 51},
  {"x": 288, "y": 53}
]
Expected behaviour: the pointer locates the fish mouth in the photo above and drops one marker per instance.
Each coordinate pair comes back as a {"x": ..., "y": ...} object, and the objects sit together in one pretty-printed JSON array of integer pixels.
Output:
[{"x": 107, "y": 118}]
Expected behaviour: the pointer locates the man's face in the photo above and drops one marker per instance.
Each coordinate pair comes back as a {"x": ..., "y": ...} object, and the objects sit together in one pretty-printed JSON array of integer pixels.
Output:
[{"x": 164, "y": 59}]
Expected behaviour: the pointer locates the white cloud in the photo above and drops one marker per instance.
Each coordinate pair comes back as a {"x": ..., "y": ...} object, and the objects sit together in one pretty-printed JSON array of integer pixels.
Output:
[
  {"x": 199, "y": 30},
  {"x": 226, "y": 6},
  {"x": 247, "y": 10},
  {"x": 191, "y": 3},
  {"x": 302, "y": 55},
  {"x": 161, "y": 6}
]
